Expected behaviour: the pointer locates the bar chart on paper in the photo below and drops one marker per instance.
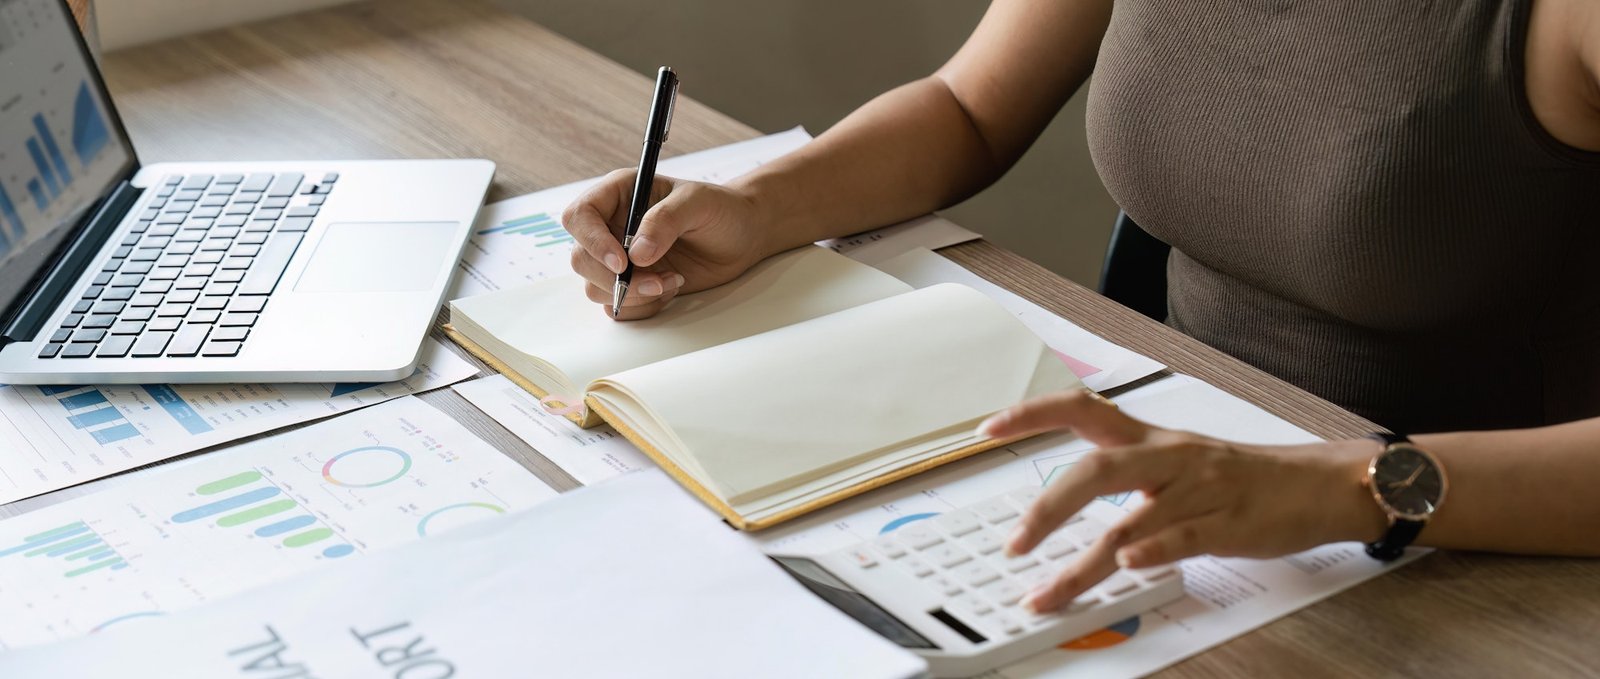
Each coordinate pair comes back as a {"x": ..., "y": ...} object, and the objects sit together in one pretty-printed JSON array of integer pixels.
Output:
[
  {"x": 176, "y": 536},
  {"x": 541, "y": 227}
]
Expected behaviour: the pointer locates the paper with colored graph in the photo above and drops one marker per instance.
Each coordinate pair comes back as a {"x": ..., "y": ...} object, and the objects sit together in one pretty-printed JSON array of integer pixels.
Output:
[
  {"x": 520, "y": 240},
  {"x": 55, "y": 437},
  {"x": 1226, "y": 597},
  {"x": 589, "y": 455},
  {"x": 174, "y": 536}
]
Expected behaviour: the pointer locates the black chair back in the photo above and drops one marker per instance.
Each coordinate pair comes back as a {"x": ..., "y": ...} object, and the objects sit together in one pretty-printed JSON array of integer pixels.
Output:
[{"x": 1135, "y": 270}]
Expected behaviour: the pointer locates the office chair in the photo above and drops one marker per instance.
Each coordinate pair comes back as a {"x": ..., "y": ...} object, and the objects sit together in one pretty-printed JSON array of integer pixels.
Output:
[{"x": 1135, "y": 271}]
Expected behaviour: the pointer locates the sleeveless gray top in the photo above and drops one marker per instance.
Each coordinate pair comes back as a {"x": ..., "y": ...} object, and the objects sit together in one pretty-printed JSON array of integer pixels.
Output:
[{"x": 1360, "y": 201}]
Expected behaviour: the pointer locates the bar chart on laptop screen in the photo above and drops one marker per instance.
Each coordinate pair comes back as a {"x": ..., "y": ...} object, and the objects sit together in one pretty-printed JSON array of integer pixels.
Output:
[{"x": 56, "y": 150}]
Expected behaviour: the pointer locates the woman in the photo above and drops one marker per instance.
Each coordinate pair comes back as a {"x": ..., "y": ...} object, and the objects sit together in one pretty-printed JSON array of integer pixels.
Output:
[{"x": 1391, "y": 205}]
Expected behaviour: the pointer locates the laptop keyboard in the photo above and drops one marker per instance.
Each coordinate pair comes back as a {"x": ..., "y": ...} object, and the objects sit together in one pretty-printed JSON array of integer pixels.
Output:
[{"x": 197, "y": 269}]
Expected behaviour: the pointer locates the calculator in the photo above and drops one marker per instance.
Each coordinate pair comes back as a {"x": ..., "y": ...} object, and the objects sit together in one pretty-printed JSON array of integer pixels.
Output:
[{"x": 943, "y": 587}]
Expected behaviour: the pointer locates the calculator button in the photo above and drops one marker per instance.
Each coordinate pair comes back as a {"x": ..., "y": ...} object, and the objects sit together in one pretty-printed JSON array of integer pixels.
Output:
[
  {"x": 972, "y": 605},
  {"x": 1025, "y": 497},
  {"x": 976, "y": 574},
  {"x": 984, "y": 542},
  {"x": 1082, "y": 602},
  {"x": 947, "y": 555},
  {"x": 1084, "y": 533},
  {"x": 994, "y": 511},
  {"x": 1057, "y": 546},
  {"x": 1009, "y": 624},
  {"x": 861, "y": 557},
  {"x": 1117, "y": 584},
  {"x": 918, "y": 567},
  {"x": 889, "y": 548},
  {"x": 918, "y": 537},
  {"x": 1003, "y": 592},
  {"x": 1156, "y": 574},
  {"x": 1017, "y": 564},
  {"x": 946, "y": 586},
  {"x": 1034, "y": 577},
  {"x": 959, "y": 523}
]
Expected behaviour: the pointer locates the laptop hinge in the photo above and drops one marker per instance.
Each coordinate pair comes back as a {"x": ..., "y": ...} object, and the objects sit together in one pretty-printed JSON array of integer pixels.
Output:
[{"x": 54, "y": 283}]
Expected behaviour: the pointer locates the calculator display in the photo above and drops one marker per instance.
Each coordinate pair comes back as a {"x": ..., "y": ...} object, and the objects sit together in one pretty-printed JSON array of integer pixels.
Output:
[{"x": 852, "y": 603}]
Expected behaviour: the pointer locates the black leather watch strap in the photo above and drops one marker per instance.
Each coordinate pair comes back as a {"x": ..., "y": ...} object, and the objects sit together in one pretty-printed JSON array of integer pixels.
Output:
[{"x": 1402, "y": 532}]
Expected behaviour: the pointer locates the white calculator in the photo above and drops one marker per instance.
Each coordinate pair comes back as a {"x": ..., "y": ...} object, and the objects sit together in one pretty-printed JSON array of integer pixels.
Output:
[{"x": 943, "y": 587}]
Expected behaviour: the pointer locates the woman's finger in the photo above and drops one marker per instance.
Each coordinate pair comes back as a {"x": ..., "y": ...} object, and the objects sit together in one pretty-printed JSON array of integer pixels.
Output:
[
  {"x": 589, "y": 219},
  {"x": 1179, "y": 540},
  {"x": 647, "y": 288},
  {"x": 1086, "y": 413},
  {"x": 662, "y": 225},
  {"x": 633, "y": 313},
  {"x": 1097, "y": 562},
  {"x": 1104, "y": 471}
]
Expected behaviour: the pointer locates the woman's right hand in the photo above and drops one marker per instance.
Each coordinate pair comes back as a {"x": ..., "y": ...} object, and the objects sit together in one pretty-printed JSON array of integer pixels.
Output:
[{"x": 694, "y": 236}]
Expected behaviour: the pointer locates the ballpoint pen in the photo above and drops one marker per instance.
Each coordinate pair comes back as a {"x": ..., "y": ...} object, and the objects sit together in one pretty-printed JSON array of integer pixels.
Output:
[{"x": 655, "y": 134}]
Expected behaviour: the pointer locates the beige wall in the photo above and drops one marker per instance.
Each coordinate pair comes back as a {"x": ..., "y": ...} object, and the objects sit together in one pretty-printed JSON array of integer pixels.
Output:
[
  {"x": 777, "y": 63},
  {"x": 124, "y": 23}
]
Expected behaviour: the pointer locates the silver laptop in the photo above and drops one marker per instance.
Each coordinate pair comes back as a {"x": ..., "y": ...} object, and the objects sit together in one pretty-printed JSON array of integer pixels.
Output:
[{"x": 113, "y": 272}]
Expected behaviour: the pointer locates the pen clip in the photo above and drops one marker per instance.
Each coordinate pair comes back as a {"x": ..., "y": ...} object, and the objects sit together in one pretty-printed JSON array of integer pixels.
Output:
[{"x": 672, "y": 107}]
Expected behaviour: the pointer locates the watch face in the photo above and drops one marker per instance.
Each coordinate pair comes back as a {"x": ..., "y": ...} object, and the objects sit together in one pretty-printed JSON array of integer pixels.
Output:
[{"x": 1408, "y": 480}]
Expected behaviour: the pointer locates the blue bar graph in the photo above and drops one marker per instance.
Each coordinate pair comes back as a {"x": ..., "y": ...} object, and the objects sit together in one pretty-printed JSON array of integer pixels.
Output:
[
  {"x": 45, "y": 171},
  {"x": 50, "y": 148},
  {"x": 94, "y": 417},
  {"x": 89, "y": 133},
  {"x": 47, "y": 537},
  {"x": 8, "y": 215},
  {"x": 224, "y": 504},
  {"x": 178, "y": 408},
  {"x": 92, "y": 397},
  {"x": 69, "y": 543},
  {"x": 110, "y": 435},
  {"x": 40, "y": 200},
  {"x": 285, "y": 526}
]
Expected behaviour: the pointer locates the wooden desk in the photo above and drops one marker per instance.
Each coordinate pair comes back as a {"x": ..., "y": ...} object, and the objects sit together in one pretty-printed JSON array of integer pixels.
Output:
[{"x": 454, "y": 78}]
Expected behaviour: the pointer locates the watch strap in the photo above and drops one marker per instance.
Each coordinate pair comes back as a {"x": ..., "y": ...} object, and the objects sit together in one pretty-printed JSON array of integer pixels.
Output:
[
  {"x": 1394, "y": 542},
  {"x": 1402, "y": 532}
]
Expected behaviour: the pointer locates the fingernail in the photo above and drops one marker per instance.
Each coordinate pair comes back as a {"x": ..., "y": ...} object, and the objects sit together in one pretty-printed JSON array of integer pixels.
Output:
[
  {"x": 1014, "y": 543},
  {"x": 613, "y": 262},
  {"x": 1034, "y": 601},
  {"x": 677, "y": 280},
  {"x": 1126, "y": 558},
  {"x": 642, "y": 250},
  {"x": 650, "y": 287},
  {"x": 994, "y": 423}
]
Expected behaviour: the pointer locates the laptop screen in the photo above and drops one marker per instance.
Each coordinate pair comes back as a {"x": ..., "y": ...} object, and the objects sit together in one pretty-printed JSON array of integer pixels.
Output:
[{"x": 61, "y": 148}]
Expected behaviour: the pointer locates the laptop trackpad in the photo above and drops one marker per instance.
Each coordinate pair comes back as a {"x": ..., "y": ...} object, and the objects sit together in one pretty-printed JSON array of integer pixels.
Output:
[{"x": 379, "y": 256}]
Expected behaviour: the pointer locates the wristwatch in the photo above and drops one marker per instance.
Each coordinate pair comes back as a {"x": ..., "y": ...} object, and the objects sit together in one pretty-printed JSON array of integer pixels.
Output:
[{"x": 1409, "y": 485}]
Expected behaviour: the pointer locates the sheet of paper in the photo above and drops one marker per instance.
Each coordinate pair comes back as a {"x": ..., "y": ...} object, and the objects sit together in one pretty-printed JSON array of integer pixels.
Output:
[
  {"x": 589, "y": 455},
  {"x": 55, "y": 437},
  {"x": 631, "y": 578},
  {"x": 174, "y": 536},
  {"x": 1099, "y": 363},
  {"x": 1226, "y": 597},
  {"x": 520, "y": 240}
]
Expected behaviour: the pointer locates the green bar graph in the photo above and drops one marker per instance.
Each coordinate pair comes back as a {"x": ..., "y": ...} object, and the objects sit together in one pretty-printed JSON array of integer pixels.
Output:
[
  {"x": 229, "y": 483},
  {"x": 71, "y": 527},
  {"x": 69, "y": 545},
  {"x": 256, "y": 512},
  {"x": 91, "y": 552},
  {"x": 308, "y": 537},
  {"x": 93, "y": 567}
]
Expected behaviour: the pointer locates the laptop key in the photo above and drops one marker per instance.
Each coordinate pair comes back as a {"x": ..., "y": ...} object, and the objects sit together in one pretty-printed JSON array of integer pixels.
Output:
[
  {"x": 155, "y": 286},
  {"x": 157, "y": 241},
  {"x": 61, "y": 335},
  {"x": 206, "y": 257},
  {"x": 199, "y": 269},
  {"x": 116, "y": 294},
  {"x": 112, "y": 265},
  {"x": 139, "y": 314},
  {"x": 233, "y": 178},
  {"x": 170, "y": 218},
  {"x": 188, "y": 340},
  {"x": 247, "y": 305},
  {"x": 295, "y": 224},
  {"x": 248, "y": 197},
  {"x": 183, "y": 248},
  {"x": 50, "y": 350},
  {"x": 238, "y": 209},
  {"x": 141, "y": 227},
  {"x": 196, "y": 181},
  {"x": 188, "y": 194},
  {"x": 204, "y": 316},
  {"x": 116, "y": 346},
  {"x": 303, "y": 211},
  {"x": 127, "y": 328},
  {"x": 240, "y": 320},
  {"x": 82, "y": 306},
  {"x": 277, "y": 202},
  {"x": 231, "y": 220},
  {"x": 285, "y": 184},
  {"x": 90, "y": 336},
  {"x": 214, "y": 200},
  {"x": 112, "y": 308},
  {"x": 77, "y": 351},
  {"x": 221, "y": 289},
  {"x": 137, "y": 267},
  {"x": 72, "y": 320},
  {"x": 127, "y": 280},
  {"x": 172, "y": 260},
  {"x": 145, "y": 299},
  {"x": 269, "y": 266},
  {"x": 166, "y": 273},
  {"x": 268, "y": 214},
  {"x": 182, "y": 296},
  {"x": 190, "y": 283},
  {"x": 151, "y": 344},
  {"x": 257, "y": 181},
  {"x": 316, "y": 200},
  {"x": 238, "y": 263},
  {"x": 230, "y": 333},
  {"x": 229, "y": 276},
  {"x": 209, "y": 212},
  {"x": 93, "y": 292},
  {"x": 257, "y": 227},
  {"x": 147, "y": 255},
  {"x": 162, "y": 324},
  {"x": 99, "y": 321},
  {"x": 215, "y": 348},
  {"x": 212, "y": 302},
  {"x": 175, "y": 310}
]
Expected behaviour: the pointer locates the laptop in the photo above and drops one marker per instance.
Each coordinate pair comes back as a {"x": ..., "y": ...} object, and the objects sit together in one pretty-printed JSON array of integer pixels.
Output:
[{"x": 117, "y": 272}]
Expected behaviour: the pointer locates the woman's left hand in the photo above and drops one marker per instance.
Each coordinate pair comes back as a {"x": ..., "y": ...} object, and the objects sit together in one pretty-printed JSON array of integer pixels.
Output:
[{"x": 1202, "y": 495}]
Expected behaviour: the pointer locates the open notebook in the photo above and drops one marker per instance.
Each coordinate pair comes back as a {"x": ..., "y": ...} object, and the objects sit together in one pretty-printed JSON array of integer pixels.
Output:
[{"x": 808, "y": 380}]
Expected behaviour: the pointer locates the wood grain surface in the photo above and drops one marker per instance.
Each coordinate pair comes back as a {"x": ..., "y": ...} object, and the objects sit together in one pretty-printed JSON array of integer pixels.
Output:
[{"x": 463, "y": 78}]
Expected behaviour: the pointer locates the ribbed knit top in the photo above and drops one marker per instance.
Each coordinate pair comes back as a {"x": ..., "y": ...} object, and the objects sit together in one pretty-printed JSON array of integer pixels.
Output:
[{"x": 1360, "y": 201}]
